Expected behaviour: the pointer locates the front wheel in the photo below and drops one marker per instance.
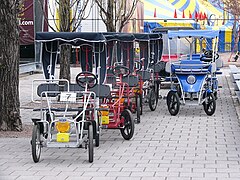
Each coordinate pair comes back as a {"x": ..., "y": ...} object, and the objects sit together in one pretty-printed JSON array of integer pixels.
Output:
[
  {"x": 173, "y": 103},
  {"x": 209, "y": 104},
  {"x": 36, "y": 143},
  {"x": 153, "y": 100},
  {"x": 128, "y": 129},
  {"x": 90, "y": 143}
]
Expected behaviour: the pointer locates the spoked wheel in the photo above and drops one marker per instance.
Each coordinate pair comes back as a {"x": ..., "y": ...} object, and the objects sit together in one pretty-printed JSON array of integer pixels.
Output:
[
  {"x": 90, "y": 143},
  {"x": 173, "y": 103},
  {"x": 153, "y": 100},
  {"x": 209, "y": 104},
  {"x": 138, "y": 108},
  {"x": 128, "y": 130},
  {"x": 36, "y": 143}
]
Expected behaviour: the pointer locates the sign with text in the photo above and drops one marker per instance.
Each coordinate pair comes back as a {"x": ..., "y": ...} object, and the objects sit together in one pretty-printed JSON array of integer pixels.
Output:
[{"x": 26, "y": 23}]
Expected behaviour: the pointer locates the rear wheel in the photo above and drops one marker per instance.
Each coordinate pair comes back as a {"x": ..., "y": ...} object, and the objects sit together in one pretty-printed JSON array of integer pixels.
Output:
[
  {"x": 90, "y": 143},
  {"x": 128, "y": 130},
  {"x": 173, "y": 103},
  {"x": 36, "y": 143},
  {"x": 209, "y": 104},
  {"x": 152, "y": 99}
]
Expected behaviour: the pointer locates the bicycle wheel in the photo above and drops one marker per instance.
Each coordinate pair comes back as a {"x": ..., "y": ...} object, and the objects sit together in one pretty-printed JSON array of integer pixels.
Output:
[
  {"x": 153, "y": 100},
  {"x": 173, "y": 103},
  {"x": 128, "y": 130},
  {"x": 210, "y": 104},
  {"x": 90, "y": 143},
  {"x": 36, "y": 143}
]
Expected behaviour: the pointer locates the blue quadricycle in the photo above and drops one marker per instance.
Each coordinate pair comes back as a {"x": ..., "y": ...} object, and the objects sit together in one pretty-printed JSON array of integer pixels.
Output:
[{"x": 193, "y": 77}]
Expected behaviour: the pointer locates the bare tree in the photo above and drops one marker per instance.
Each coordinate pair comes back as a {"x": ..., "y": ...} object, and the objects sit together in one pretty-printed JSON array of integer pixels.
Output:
[
  {"x": 116, "y": 14},
  {"x": 70, "y": 15},
  {"x": 9, "y": 67},
  {"x": 232, "y": 7}
]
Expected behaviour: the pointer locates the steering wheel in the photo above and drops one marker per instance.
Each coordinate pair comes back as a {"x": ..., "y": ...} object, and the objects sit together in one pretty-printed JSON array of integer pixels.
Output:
[
  {"x": 121, "y": 70},
  {"x": 208, "y": 53},
  {"x": 86, "y": 78},
  {"x": 205, "y": 58},
  {"x": 138, "y": 65}
]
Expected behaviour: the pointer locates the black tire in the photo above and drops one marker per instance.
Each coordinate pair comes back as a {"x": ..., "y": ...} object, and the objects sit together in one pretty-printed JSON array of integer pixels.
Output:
[
  {"x": 173, "y": 103},
  {"x": 90, "y": 143},
  {"x": 97, "y": 139},
  {"x": 153, "y": 100},
  {"x": 138, "y": 108},
  {"x": 128, "y": 130},
  {"x": 36, "y": 143},
  {"x": 210, "y": 104}
]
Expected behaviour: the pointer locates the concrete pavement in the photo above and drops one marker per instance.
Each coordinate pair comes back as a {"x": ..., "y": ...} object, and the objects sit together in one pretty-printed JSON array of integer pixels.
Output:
[{"x": 190, "y": 146}]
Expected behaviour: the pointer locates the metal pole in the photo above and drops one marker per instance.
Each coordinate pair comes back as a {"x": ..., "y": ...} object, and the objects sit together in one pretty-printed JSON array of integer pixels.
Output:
[{"x": 38, "y": 27}]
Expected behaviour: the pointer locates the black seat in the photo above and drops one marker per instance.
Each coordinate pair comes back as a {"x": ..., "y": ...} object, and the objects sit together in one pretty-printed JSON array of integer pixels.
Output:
[
  {"x": 158, "y": 67},
  {"x": 111, "y": 80},
  {"x": 144, "y": 75},
  {"x": 101, "y": 90},
  {"x": 131, "y": 80},
  {"x": 75, "y": 88},
  {"x": 52, "y": 89}
]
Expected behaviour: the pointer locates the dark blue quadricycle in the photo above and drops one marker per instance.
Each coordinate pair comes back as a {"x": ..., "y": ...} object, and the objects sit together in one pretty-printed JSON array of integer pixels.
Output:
[{"x": 193, "y": 77}]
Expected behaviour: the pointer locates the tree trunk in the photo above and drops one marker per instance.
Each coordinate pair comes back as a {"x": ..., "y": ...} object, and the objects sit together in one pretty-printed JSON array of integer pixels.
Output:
[
  {"x": 110, "y": 27},
  {"x": 65, "y": 53},
  {"x": 9, "y": 67},
  {"x": 65, "y": 57},
  {"x": 235, "y": 34}
]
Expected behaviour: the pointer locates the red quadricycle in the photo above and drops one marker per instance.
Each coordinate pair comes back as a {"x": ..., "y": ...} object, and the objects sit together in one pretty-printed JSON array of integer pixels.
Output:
[
  {"x": 148, "y": 67},
  {"x": 119, "y": 116},
  {"x": 121, "y": 78}
]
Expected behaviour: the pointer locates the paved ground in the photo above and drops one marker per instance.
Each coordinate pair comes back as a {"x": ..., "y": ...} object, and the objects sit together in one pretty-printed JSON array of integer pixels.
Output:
[{"x": 189, "y": 146}]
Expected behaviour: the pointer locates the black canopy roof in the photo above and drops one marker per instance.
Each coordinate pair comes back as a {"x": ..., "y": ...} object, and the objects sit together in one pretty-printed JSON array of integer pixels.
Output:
[
  {"x": 124, "y": 37},
  {"x": 74, "y": 38}
]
